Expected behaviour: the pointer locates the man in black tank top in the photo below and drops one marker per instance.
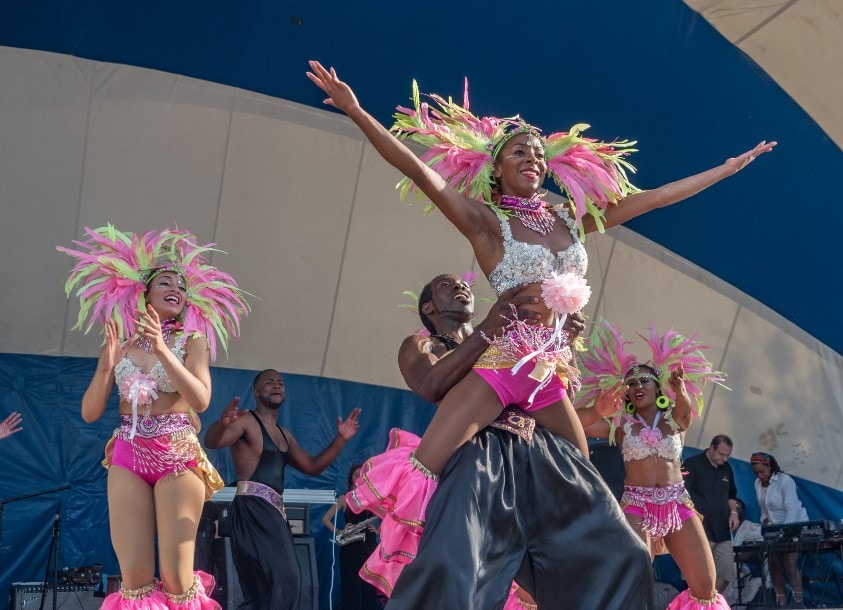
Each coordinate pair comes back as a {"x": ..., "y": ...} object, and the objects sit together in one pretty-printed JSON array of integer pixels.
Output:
[{"x": 261, "y": 540}]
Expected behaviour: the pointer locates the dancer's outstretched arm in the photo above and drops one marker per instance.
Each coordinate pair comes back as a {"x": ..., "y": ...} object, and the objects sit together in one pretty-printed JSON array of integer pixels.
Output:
[
  {"x": 682, "y": 412},
  {"x": 674, "y": 192},
  {"x": 468, "y": 216}
]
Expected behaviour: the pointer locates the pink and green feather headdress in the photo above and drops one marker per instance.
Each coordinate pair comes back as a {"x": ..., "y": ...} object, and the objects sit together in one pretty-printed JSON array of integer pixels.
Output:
[
  {"x": 605, "y": 363},
  {"x": 461, "y": 148},
  {"x": 113, "y": 270}
]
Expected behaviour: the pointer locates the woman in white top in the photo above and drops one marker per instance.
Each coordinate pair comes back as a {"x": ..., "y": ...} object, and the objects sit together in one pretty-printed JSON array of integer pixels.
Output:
[{"x": 779, "y": 503}]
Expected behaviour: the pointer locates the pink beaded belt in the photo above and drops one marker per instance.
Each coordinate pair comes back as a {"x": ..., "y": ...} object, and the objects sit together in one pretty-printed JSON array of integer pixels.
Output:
[
  {"x": 264, "y": 492},
  {"x": 150, "y": 426},
  {"x": 637, "y": 494}
]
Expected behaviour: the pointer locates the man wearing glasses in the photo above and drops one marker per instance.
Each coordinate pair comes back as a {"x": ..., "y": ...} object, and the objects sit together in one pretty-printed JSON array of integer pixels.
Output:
[{"x": 711, "y": 483}]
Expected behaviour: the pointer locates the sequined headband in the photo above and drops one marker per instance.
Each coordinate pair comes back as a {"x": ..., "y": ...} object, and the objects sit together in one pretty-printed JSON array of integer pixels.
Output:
[
  {"x": 150, "y": 274},
  {"x": 636, "y": 373},
  {"x": 519, "y": 126}
]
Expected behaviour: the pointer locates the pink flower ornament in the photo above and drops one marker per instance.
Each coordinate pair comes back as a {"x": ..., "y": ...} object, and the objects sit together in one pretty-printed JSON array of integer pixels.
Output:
[
  {"x": 650, "y": 436},
  {"x": 140, "y": 388},
  {"x": 565, "y": 293}
]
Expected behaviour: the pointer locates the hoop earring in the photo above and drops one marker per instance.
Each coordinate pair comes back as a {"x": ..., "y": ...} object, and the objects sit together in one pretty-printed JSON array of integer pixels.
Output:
[
  {"x": 662, "y": 402},
  {"x": 629, "y": 408}
]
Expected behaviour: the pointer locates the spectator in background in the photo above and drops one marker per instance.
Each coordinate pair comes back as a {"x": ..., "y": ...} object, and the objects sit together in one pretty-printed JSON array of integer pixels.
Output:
[
  {"x": 779, "y": 503},
  {"x": 11, "y": 425},
  {"x": 711, "y": 483},
  {"x": 746, "y": 532}
]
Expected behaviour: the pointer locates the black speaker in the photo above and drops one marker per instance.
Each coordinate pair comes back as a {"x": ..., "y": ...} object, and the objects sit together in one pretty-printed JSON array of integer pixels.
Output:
[
  {"x": 306, "y": 554},
  {"x": 27, "y": 596},
  {"x": 228, "y": 593}
]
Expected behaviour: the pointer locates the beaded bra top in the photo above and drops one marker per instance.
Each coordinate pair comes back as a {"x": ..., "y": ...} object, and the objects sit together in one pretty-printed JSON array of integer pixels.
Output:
[
  {"x": 126, "y": 367},
  {"x": 532, "y": 263},
  {"x": 634, "y": 447}
]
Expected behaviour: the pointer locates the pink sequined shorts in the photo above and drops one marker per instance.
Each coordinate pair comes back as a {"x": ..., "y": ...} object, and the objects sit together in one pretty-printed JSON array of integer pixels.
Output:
[
  {"x": 516, "y": 389},
  {"x": 543, "y": 378},
  {"x": 162, "y": 445}
]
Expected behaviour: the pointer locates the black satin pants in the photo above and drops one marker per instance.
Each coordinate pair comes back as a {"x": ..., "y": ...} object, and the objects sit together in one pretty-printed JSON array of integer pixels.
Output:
[
  {"x": 538, "y": 513},
  {"x": 264, "y": 555}
]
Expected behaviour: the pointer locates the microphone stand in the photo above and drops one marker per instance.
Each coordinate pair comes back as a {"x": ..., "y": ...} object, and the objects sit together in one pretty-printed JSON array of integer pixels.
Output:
[
  {"x": 54, "y": 541},
  {"x": 53, "y": 557}
]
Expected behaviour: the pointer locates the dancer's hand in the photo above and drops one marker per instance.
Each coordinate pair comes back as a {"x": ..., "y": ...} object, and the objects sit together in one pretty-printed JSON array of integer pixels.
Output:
[
  {"x": 736, "y": 164},
  {"x": 11, "y": 424},
  {"x": 149, "y": 327},
  {"x": 575, "y": 324},
  {"x": 500, "y": 315},
  {"x": 112, "y": 352},
  {"x": 340, "y": 95},
  {"x": 608, "y": 402},
  {"x": 676, "y": 381},
  {"x": 230, "y": 414},
  {"x": 351, "y": 425}
]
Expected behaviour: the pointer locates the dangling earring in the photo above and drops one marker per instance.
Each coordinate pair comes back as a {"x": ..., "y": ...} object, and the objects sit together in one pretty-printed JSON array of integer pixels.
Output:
[
  {"x": 662, "y": 402},
  {"x": 629, "y": 408}
]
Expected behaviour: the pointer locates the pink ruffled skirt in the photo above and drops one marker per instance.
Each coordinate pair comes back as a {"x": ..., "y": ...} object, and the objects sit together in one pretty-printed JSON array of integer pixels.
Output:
[
  {"x": 393, "y": 487},
  {"x": 156, "y": 599}
]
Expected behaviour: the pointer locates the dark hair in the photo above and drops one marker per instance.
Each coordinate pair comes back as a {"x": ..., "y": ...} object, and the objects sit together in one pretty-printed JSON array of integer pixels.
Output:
[
  {"x": 351, "y": 472},
  {"x": 426, "y": 296},
  {"x": 258, "y": 376},
  {"x": 721, "y": 438}
]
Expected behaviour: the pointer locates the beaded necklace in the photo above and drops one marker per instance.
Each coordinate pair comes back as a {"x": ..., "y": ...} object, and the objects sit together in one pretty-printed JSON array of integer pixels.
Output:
[{"x": 532, "y": 213}]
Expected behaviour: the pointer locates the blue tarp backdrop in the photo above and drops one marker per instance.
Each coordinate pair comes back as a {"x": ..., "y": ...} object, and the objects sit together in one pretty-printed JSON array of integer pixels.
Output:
[{"x": 57, "y": 448}]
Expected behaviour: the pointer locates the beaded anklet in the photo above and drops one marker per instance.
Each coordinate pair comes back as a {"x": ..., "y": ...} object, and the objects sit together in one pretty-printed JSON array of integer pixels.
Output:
[
  {"x": 187, "y": 596},
  {"x": 140, "y": 592},
  {"x": 422, "y": 468},
  {"x": 703, "y": 602}
]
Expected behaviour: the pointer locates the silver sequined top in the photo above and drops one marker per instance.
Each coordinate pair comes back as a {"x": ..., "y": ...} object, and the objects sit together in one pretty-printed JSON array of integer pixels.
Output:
[
  {"x": 530, "y": 263},
  {"x": 159, "y": 375}
]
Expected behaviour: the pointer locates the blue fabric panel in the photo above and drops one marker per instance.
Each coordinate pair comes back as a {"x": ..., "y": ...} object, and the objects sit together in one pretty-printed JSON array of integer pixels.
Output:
[{"x": 656, "y": 72}]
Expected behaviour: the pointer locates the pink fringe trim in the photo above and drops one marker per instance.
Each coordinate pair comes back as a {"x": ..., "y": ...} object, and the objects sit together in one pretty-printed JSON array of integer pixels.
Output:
[{"x": 683, "y": 601}]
